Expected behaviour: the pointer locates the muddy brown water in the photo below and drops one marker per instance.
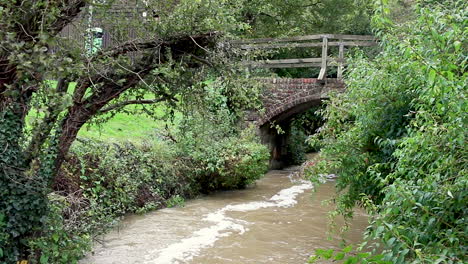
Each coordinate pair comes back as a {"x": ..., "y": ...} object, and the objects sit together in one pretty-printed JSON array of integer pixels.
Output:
[{"x": 279, "y": 220}]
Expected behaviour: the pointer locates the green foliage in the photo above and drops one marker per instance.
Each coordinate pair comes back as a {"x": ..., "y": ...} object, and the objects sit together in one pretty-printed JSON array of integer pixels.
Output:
[
  {"x": 274, "y": 18},
  {"x": 303, "y": 126},
  {"x": 22, "y": 202},
  {"x": 231, "y": 164},
  {"x": 279, "y": 18},
  {"x": 120, "y": 178},
  {"x": 310, "y": 121},
  {"x": 57, "y": 244},
  {"x": 226, "y": 161},
  {"x": 100, "y": 183},
  {"x": 296, "y": 148},
  {"x": 224, "y": 156},
  {"x": 175, "y": 201},
  {"x": 397, "y": 137},
  {"x": 347, "y": 256}
]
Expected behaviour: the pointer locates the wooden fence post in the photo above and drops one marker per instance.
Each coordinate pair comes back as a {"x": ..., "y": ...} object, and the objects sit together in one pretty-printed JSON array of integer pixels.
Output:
[
  {"x": 340, "y": 60},
  {"x": 323, "y": 69}
]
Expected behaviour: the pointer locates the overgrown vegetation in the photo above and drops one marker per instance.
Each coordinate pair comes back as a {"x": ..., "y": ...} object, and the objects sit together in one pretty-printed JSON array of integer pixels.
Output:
[
  {"x": 397, "y": 137},
  {"x": 102, "y": 182},
  {"x": 302, "y": 127}
]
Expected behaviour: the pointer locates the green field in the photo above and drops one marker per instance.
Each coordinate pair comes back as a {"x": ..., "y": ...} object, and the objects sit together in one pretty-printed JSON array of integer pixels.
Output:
[{"x": 122, "y": 126}]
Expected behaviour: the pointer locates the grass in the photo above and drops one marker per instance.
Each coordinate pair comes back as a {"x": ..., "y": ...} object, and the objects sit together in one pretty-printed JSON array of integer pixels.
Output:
[
  {"x": 126, "y": 127},
  {"x": 122, "y": 126}
]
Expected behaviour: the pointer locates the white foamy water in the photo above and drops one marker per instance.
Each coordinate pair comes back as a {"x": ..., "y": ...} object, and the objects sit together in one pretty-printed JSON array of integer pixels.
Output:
[{"x": 223, "y": 226}]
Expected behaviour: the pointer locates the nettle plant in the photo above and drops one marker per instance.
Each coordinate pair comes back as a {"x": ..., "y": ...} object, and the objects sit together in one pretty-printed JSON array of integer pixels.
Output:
[
  {"x": 51, "y": 85},
  {"x": 397, "y": 137}
]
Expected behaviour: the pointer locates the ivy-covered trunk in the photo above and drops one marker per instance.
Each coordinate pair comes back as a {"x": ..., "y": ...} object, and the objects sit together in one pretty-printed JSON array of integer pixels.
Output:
[{"x": 23, "y": 202}]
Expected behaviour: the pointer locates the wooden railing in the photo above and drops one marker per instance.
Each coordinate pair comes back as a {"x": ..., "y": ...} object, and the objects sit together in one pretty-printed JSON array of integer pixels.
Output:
[{"x": 324, "y": 40}]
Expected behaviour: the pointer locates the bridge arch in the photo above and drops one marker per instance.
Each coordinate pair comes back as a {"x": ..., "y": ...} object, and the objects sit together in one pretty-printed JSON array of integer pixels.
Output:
[{"x": 283, "y": 99}]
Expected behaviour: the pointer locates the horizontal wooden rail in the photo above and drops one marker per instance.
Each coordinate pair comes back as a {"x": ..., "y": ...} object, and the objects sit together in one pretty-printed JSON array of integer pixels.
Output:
[
  {"x": 308, "y": 45},
  {"x": 310, "y": 41},
  {"x": 303, "y": 38},
  {"x": 292, "y": 63}
]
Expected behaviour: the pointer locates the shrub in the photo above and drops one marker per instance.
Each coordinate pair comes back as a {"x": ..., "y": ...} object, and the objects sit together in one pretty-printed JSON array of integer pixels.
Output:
[
  {"x": 98, "y": 184},
  {"x": 397, "y": 137},
  {"x": 296, "y": 146},
  {"x": 230, "y": 163}
]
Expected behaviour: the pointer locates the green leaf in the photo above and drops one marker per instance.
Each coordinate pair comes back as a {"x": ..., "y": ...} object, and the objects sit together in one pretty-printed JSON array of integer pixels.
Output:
[
  {"x": 339, "y": 256},
  {"x": 457, "y": 45},
  {"x": 431, "y": 77},
  {"x": 44, "y": 259},
  {"x": 348, "y": 249},
  {"x": 391, "y": 241},
  {"x": 351, "y": 260}
]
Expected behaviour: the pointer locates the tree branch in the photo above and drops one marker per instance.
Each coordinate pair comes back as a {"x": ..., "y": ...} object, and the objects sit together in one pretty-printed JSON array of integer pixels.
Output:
[
  {"x": 71, "y": 9},
  {"x": 84, "y": 109},
  {"x": 132, "y": 46},
  {"x": 132, "y": 102}
]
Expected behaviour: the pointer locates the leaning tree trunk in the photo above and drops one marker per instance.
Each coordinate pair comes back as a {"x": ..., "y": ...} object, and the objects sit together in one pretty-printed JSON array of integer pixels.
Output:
[{"x": 23, "y": 190}]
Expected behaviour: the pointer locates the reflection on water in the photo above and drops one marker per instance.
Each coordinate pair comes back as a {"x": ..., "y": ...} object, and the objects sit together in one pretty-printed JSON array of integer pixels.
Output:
[{"x": 277, "y": 221}]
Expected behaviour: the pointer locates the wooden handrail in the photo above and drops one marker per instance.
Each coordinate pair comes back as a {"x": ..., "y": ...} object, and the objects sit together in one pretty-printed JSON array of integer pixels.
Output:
[
  {"x": 307, "y": 45},
  {"x": 293, "y": 63},
  {"x": 303, "y": 38},
  {"x": 308, "y": 41}
]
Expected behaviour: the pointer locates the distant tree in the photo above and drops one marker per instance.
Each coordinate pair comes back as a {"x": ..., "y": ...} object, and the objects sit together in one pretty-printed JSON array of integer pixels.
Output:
[{"x": 269, "y": 18}]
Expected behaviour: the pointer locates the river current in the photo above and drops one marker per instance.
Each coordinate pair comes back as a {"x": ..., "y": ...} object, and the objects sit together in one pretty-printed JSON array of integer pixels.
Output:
[{"x": 279, "y": 220}]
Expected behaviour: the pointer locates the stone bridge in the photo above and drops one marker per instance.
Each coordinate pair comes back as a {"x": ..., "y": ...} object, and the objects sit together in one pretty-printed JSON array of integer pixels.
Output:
[
  {"x": 285, "y": 97},
  {"x": 282, "y": 99}
]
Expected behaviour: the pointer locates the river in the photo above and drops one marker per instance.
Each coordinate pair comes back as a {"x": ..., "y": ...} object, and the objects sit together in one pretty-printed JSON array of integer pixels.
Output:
[{"x": 279, "y": 220}]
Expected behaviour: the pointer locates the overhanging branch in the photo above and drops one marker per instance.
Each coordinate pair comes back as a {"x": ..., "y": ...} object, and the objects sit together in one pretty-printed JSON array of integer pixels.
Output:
[
  {"x": 132, "y": 46},
  {"x": 133, "y": 102}
]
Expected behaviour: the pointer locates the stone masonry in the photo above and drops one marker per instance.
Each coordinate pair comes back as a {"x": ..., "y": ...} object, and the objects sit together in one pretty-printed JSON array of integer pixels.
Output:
[{"x": 284, "y": 97}]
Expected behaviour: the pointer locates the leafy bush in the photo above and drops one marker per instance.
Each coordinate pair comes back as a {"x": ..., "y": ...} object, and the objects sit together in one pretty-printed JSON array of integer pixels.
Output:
[
  {"x": 120, "y": 178},
  {"x": 101, "y": 182},
  {"x": 397, "y": 137},
  {"x": 347, "y": 256},
  {"x": 229, "y": 163},
  {"x": 57, "y": 244},
  {"x": 223, "y": 156},
  {"x": 303, "y": 126}
]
